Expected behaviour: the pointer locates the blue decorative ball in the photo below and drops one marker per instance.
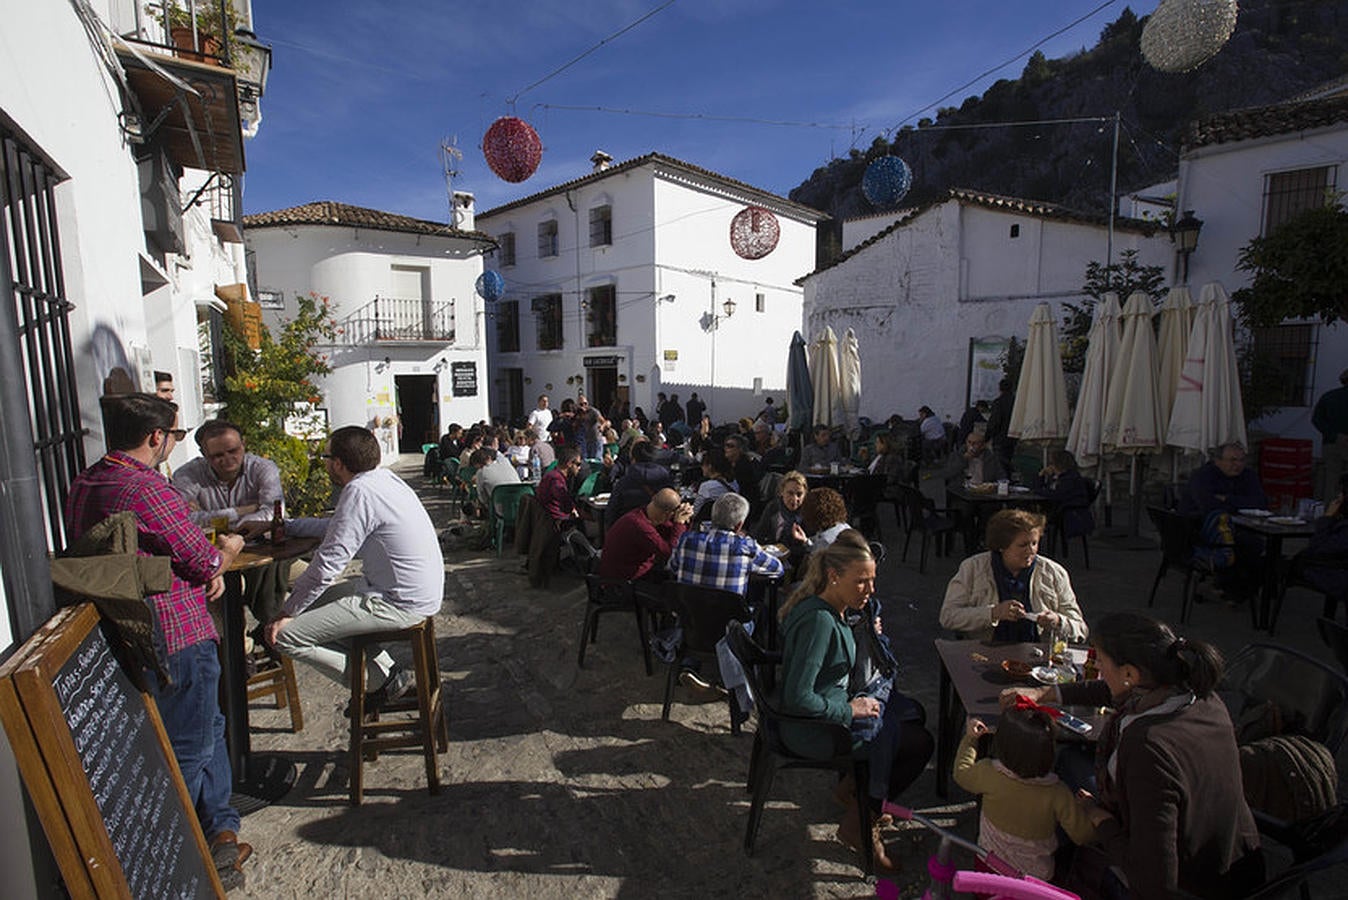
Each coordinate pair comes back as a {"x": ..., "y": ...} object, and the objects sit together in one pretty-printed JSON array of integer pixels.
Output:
[
  {"x": 886, "y": 181},
  {"x": 491, "y": 286}
]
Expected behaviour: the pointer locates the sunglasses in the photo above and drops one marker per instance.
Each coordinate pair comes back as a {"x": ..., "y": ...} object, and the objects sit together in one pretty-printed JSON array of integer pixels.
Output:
[{"x": 179, "y": 434}]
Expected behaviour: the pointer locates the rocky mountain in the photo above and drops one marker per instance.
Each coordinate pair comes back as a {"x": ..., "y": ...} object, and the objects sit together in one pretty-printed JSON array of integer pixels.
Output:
[{"x": 1279, "y": 49}]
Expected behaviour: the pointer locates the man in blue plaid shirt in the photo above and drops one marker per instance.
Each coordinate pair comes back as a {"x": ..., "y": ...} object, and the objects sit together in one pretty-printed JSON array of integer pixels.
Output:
[{"x": 721, "y": 555}]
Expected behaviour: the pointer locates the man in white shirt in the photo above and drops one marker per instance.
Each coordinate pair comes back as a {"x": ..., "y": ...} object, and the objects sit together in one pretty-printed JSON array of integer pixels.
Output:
[
  {"x": 403, "y": 577},
  {"x": 541, "y": 418}
]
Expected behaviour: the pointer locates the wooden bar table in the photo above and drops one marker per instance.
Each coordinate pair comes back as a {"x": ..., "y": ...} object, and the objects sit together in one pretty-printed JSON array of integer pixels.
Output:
[{"x": 258, "y": 780}]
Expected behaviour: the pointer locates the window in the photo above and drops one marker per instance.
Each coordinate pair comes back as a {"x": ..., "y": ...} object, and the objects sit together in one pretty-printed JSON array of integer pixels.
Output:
[
  {"x": 506, "y": 248},
  {"x": 1287, "y": 350},
  {"x": 601, "y": 226},
  {"x": 508, "y": 326},
  {"x": 760, "y": 303},
  {"x": 1288, "y": 193},
  {"x": 547, "y": 239},
  {"x": 548, "y": 316},
  {"x": 601, "y": 316},
  {"x": 271, "y": 300},
  {"x": 1015, "y": 230}
]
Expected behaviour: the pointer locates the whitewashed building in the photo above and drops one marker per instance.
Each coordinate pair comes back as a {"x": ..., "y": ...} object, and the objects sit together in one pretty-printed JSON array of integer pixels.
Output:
[
  {"x": 410, "y": 356},
  {"x": 1243, "y": 173},
  {"x": 120, "y": 153},
  {"x": 624, "y": 283},
  {"x": 935, "y": 296}
]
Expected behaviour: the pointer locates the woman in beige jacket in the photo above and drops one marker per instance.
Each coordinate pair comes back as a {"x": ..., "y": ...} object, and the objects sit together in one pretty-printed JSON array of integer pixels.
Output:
[{"x": 1011, "y": 593}]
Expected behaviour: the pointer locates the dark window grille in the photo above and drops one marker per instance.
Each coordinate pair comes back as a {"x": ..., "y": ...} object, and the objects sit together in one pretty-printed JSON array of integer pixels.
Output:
[
  {"x": 547, "y": 239},
  {"x": 1287, "y": 194},
  {"x": 506, "y": 248},
  {"x": 28, "y": 211},
  {"x": 760, "y": 303},
  {"x": 1289, "y": 349},
  {"x": 548, "y": 315},
  {"x": 601, "y": 226},
  {"x": 601, "y": 315},
  {"x": 508, "y": 326}
]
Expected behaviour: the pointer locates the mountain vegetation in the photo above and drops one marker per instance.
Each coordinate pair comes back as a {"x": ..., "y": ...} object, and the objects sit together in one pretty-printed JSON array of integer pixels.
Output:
[{"x": 1279, "y": 49}]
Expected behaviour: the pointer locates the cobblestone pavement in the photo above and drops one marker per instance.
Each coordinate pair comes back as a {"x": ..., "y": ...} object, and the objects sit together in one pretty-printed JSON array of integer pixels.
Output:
[{"x": 564, "y": 782}]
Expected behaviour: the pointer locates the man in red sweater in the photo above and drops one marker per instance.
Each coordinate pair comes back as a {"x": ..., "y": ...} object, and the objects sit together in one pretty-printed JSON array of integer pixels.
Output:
[{"x": 638, "y": 545}]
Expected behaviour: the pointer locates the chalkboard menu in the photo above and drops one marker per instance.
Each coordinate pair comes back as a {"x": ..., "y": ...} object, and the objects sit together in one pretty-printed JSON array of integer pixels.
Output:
[
  {"x": 93, "y": 753},
  {"x": 463, "y": 379}
]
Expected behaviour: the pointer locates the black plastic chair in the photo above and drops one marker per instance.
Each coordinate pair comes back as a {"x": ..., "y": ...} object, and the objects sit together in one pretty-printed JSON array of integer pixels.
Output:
[
  {"x": 1293, "y": 881},
  {"x": 924, "y": 517},
  {"x": 703, "y": 613},
  {"x": 583, "y": 553},
  {"x": 1311, "y": 696},
  {"x": 863, "y": 495},
  {"x": 1296, "y": 575},
  {"x": 1179, "y": 535},
  {"x": 1060, "y": 514},
  {"x": 609, "y": 595},
  {"x": 770, "y": 753},
  {"x": 1335, "y": 636}
]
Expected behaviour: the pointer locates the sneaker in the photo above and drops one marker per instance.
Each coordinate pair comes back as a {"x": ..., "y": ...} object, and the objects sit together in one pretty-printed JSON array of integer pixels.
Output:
[
  {"x": 398, "y": 685},
  {"x": 700, "y": 688}
]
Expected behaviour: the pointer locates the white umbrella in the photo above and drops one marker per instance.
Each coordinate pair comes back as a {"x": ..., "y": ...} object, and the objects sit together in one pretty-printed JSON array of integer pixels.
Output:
[
  {"x": 1133, "y": 421},
  {"x": 849, "y": 382},
  {"x": 1207, "y": 411},
  {"x": 1177, "y": 320},
  {"x": 1040, "y": 413},
  {"x": 825, "y": 378},
  {"x": 1102, "y": 349}
]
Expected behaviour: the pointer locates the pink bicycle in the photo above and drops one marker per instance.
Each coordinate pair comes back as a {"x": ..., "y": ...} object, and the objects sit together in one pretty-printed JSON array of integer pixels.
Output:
[{"x": 1003, "y": 882}]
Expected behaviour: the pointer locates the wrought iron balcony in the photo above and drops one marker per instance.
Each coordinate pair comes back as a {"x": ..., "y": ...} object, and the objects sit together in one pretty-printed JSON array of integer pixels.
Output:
[{"x": 397, "y": 319}]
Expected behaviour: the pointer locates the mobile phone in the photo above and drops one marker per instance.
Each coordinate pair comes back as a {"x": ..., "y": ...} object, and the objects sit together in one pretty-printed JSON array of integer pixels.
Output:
[{"x": 1072, "y": 723}]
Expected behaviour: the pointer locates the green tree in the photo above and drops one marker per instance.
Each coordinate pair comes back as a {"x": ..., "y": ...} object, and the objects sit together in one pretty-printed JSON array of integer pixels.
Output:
[
  {"x": 1123, "y": 278},
  {"x": 1300, "y": 269},
  {"x": 264, "y": 386}
]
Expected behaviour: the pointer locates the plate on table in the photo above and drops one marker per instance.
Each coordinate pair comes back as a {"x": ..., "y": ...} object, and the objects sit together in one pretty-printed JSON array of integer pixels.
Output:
[
  {"x": 777, "y": 550},
  {"x": 1052, "y": 675},
  {"x": 1255, "y": 513},
  {"x": 601, "y": 498},
  {"x": 1286, "y": 520},
  {"x": 1019, "y": 489}
]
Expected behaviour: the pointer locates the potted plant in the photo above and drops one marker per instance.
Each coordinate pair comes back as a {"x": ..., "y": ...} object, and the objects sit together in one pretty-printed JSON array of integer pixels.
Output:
[{"x": 212, "y": 34}]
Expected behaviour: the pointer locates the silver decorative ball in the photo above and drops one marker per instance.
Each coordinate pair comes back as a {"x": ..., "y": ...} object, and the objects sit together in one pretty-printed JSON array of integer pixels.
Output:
[{"x": 1183, "y": 34}]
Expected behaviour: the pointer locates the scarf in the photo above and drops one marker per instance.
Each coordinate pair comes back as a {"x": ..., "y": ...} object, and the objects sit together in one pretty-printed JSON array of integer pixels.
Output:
[
  {"x": 1014, "y": 587},
  {"x": 1130, "y": 710}
]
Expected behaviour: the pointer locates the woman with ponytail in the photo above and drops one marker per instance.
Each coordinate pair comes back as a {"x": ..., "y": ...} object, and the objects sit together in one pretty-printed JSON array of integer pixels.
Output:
[
  {"x": 818, "y": 658},
  {"x": 1169, "y": 808}
]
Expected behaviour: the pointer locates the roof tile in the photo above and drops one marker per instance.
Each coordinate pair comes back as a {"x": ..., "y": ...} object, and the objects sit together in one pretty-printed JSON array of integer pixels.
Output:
[
  {"x": 1263, "y": 121},
  {"x": 328, "y": 212}
]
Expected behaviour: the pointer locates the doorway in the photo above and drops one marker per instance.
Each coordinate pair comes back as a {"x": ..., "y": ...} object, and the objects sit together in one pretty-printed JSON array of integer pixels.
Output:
[
  {"x": 514, "y": 396},
  {"x": 418, "y": 412},
  {"x": 603, "y": 387}
]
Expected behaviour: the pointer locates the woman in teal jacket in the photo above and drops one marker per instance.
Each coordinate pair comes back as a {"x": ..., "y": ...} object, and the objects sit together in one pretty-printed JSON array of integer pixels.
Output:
[{"x": 817, "y": 663}]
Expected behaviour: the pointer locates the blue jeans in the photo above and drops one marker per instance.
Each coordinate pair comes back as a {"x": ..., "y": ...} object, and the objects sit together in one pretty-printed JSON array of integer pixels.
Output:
[{"x": 190, "y": 708}]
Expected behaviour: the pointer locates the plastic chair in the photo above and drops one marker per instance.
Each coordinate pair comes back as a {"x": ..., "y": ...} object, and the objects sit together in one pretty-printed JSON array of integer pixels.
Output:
[
  {"x": 1179, "y": 534},
  {"x": 924, "y": 517},
  {"x": 1335, "y": 636},
  {"x": 583, "y": 553},
  {"x": 703, "y": 613},
  {"x": 505, "y": 506},
  {"x": 1309, "y": 694},
  {"x": 1292, "y": 882},
  {"x": 863, "y": 494},
  {"x": 587, "y": 487},
  {"x": 1056, "y": 522},
  {"x": 770, "y": 752},
  {"x": 1296, "y": 576},
  {"x": 608, "y": 595}
]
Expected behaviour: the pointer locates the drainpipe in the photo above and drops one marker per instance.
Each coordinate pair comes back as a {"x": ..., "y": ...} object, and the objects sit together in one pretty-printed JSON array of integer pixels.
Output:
[{"x": 23, "y": 551}]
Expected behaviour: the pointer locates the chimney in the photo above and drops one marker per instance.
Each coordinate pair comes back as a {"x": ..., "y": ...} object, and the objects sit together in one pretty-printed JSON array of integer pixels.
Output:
[
  {"x": 463, "y": 211},
  {"x": 601, "y": 160}
]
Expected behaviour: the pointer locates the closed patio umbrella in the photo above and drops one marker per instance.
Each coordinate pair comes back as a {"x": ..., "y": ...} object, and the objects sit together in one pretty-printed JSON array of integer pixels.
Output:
[
  {"x": 800, "y": 390},
  {"x": 1207, "y": 411},
  {"x": 825, "y": 379},
  {"x": 1133, "y": 421},
  {"x": 849, "y": 375},
  {"x": 1177, "y": 320},
  {"x": 1040, "y": 413},
  {"x": 1102, "y": 349}
]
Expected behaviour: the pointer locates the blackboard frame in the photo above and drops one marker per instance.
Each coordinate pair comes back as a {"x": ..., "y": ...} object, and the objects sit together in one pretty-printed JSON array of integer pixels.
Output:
[{"x": 50, "y": 764}]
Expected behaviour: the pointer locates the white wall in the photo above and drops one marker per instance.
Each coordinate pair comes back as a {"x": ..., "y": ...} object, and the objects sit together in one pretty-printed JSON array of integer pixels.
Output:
[
  {"x": 353, "y": 266},
  {"x": 1224, "y": 185},
  {"x": 917, "y": 296}
]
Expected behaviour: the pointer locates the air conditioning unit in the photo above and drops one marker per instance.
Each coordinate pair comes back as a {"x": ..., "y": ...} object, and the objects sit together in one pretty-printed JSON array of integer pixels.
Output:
[{"x": 161, "y": 203}]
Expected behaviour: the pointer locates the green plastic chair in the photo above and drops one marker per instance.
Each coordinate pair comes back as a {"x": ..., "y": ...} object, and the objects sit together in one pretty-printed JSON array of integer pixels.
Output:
[
  {"x": 505, "y": 507},
  {"x": 426, "y": 448},
  {"x": 588, "y": 485}
]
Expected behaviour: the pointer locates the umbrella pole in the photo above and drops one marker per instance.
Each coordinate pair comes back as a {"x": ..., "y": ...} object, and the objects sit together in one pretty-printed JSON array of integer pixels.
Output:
[
  {"x": 1134, "y": 499},
  {"x": 1107, "y": 494}
]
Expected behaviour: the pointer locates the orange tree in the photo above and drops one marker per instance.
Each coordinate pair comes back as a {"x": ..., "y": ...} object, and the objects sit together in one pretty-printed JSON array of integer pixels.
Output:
[{"x": 263, "y": 387}]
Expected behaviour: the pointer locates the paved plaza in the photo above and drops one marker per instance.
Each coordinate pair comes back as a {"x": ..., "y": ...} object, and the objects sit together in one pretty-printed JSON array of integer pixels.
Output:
[{"x": 562, "y": 782}]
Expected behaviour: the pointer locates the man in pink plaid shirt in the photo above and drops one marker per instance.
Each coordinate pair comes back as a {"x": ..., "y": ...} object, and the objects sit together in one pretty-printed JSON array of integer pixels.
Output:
[{"x": 140, "y": 433}]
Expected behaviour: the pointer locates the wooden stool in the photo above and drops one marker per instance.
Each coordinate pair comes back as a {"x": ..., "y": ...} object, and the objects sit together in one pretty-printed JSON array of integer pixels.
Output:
[
  {"x": 278, "y": 680},
  {"x": 428, "y": 729}
]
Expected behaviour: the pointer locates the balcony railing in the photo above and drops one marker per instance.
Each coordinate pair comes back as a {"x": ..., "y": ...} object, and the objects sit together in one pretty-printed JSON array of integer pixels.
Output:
[{"x": 397, "y": 319}]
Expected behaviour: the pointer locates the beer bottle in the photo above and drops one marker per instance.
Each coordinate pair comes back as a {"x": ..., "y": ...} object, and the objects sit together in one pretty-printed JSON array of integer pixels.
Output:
[{"x": 278, "y": 524}]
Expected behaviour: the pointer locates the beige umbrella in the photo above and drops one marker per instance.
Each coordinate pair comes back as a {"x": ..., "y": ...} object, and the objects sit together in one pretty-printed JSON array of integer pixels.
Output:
[
  {"x": 1177, "y": 320},
  {"x": 1102, "y": 349},
  {"x": 1133, "y": 422},
  {"x": 1040, "y": 413},
  {"x": 1207, "y": 411},
  {"x": 825, "y": 378},
  {"x": 849, "y": 381}
]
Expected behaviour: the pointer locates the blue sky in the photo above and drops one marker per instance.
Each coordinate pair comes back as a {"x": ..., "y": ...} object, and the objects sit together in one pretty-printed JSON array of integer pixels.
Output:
[{"x": 362, "y": 93}]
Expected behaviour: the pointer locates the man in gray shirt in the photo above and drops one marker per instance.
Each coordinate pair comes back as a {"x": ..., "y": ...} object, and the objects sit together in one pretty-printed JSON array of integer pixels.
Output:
[{"x": 227, "y": 481}]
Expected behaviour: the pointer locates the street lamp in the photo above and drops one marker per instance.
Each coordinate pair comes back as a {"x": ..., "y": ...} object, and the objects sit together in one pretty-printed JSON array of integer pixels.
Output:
[
  {"x": 711, "y": 322},
  {"x": 1184, "y": 235}
]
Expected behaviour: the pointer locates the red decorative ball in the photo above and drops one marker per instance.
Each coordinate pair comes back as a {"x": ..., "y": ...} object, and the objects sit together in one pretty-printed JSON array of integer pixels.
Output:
[
  {"x": 512, "y": 148},
  {"x": 754, "y": 232}
]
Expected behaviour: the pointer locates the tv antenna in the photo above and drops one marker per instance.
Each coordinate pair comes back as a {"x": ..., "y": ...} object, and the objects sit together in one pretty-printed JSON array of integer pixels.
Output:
[{"x": 450, "y": 155}]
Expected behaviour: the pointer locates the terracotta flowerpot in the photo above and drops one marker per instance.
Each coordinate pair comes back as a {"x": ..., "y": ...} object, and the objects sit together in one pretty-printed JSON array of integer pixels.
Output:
[{"x": 208, "y": 52}]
